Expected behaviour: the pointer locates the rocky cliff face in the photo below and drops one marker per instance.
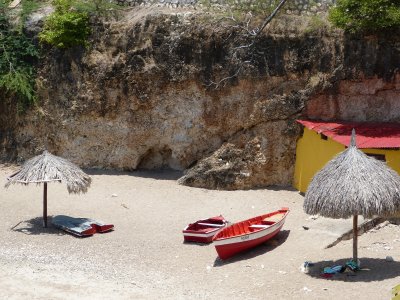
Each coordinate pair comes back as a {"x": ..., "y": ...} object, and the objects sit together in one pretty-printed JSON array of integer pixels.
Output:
[
  {"x": 368, "y": 99},
  {"x": 138, "y": 98}
]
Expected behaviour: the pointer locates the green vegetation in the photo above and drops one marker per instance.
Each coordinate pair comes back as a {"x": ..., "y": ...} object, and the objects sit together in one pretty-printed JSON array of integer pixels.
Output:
[
  {"x": 27, "y": 7},
  {"x": 69, "y": 25},
  {"x": 18, "y": 54},
  {"x": 65, "y": 28},
  {"x": 366, "y": 15},
  {"x": 315, "y": 24}
]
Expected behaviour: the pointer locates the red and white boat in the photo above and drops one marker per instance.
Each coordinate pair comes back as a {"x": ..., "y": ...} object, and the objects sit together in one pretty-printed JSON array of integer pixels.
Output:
[
  {"x": 203, "y": 231},
  {"x": 247, "y": 234}
]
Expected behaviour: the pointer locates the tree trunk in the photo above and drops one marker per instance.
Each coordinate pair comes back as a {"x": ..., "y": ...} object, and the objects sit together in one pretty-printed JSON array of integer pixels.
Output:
[
  {"x": 45, "y": 205},
  {"x": 355, "y": 237}
]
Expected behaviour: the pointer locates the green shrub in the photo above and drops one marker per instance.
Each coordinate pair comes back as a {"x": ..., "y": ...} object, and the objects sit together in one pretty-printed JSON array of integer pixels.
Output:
[
  {"x": 18, "y": 55},
  {"x": 69, "y": 25},
  {"x": 66, "y": 27},
  {"x": 366, "y": 15},
  {"x": 66, "y": 30}
]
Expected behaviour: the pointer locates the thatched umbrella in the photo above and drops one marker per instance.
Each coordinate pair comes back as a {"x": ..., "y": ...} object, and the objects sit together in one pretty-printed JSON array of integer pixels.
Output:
[
  {"x": 353, "y": 184},
  {"x": 45, "y": 168}
]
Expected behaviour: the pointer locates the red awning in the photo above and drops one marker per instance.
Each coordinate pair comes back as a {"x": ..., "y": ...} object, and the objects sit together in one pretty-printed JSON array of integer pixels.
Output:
[{"x": 368, "y": 135}]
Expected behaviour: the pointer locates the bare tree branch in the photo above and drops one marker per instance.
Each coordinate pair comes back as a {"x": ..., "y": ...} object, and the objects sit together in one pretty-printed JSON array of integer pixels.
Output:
[
  {"x": 270, "y": 17},
  {"x": 247, "y": 33},
  {"x": 223, "y": 80}
]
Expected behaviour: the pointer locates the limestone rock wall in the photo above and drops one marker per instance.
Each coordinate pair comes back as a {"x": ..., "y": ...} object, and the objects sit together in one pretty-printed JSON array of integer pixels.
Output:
[
  {"x": 364, "y": 100},
  {"x": 138, "y": 98}
]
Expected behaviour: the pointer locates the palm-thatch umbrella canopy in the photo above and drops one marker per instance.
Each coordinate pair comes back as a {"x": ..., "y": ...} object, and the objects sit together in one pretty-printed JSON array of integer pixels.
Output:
[
  {"x": 353, "y": 184},
  {"x": 45, "y": 168}
]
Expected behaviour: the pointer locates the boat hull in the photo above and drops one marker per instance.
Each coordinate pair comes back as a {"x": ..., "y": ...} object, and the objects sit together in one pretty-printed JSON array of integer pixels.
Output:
[
  {"x": 200, "y": 237},
  {"x": 249, "y": 233},
  {"x": 203, "y": 231},
  {"x": 243, "y": 243}
]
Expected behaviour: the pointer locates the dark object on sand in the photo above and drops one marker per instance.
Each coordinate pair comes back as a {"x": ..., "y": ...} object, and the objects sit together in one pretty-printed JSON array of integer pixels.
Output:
[{"x": 81, "y": 226}]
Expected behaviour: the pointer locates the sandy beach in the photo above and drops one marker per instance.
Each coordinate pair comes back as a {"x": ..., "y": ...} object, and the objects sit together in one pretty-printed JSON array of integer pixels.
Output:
[{"x": 145, "y": 257}]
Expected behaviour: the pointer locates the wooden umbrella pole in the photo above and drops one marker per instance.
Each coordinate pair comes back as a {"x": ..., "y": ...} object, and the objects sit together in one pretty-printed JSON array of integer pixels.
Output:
[
  {"x": 45, "y": 205},
  {"x": 355, "y": 237}
]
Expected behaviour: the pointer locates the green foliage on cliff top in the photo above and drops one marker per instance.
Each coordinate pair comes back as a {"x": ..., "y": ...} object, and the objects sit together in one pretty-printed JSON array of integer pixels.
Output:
[
  {"x": 18, "y": 55},
  {"x": 69, "y": 25},
  {"x": 27, "y": 7},
  {"x": 366, "y": 15},
  {"x": 65, "y": 28}
]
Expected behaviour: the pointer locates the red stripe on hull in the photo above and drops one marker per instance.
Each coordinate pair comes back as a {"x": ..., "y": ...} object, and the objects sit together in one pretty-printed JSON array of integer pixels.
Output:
[{"x": 228, "y": 250}]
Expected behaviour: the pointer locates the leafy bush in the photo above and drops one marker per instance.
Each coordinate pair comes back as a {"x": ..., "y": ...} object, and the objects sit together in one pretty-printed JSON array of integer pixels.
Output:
[
  {"x": 18, "y": 54},
  {"x": 69, "y": 25},
  {"x": 66, "y": 27},
  {"x": 366, "y": 15}
]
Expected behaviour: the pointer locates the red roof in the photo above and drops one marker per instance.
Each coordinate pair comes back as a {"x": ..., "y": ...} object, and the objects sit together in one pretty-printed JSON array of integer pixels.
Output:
[{"x": 368, "y": 135}]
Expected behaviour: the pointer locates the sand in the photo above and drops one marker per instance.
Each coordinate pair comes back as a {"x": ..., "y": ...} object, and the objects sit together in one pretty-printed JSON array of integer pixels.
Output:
[{"x": 145, "y": 257}]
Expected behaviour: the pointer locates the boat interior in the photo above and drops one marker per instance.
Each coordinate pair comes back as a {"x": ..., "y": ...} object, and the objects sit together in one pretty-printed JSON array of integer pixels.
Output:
[
  {"x": 205, "y": 226},
  {"x": 251, "y": 225}
]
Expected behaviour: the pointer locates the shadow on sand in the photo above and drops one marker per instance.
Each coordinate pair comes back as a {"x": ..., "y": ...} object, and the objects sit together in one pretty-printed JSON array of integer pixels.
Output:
[
  {"x": 372, "y": 269},
  {"x": 278, "y": 188},
  {"x": 269, "y": 245},
  {"x": 35, "y": 227},
  {"x": 164, "y": 174},
  {"x": 169, "y": 174},
  {"x": 196, "y": 244}
]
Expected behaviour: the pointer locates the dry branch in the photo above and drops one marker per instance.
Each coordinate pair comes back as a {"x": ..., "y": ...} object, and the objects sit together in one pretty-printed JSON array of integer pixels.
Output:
[{"x": 249, "y": 34}]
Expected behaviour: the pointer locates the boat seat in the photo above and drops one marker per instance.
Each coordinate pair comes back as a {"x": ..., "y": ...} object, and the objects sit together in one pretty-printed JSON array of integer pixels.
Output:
[
  {"x": 211, "y": 225},
  {"x": 274, "y": 218},
  {"x": 258, "y": 226}
]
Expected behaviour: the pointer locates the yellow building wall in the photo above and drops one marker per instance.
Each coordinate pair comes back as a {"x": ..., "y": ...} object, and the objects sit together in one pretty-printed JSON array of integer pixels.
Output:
[
  {"x": 313, "y": 152},
  {"x": 392, "y": 157}
]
